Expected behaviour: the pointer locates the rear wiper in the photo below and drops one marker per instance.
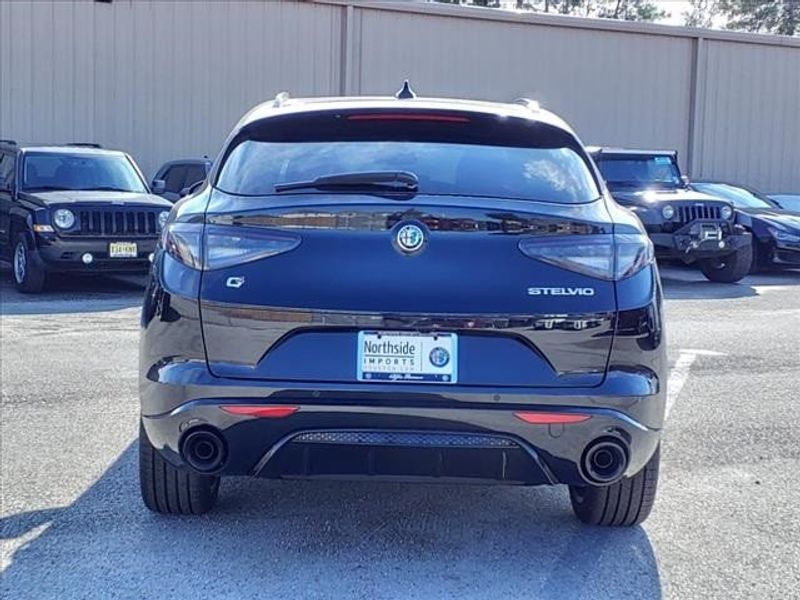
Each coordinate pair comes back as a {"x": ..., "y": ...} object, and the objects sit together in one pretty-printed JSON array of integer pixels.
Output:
[{"x": 381, "y": 181}]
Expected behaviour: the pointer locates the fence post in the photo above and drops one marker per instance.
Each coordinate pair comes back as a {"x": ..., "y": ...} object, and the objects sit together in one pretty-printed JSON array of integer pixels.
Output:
[
  {"x": 347, "y": 67},
  {"x": 697, "y": 104}
]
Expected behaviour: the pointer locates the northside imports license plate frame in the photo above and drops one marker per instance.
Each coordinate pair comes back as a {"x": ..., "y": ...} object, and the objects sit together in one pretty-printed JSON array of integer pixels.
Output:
[{"x": 430, "y": 348}]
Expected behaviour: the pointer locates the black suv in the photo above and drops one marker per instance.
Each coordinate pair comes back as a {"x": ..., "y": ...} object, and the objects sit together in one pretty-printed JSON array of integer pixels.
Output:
[
  {"x": 683, "y": 224},
  {"x": 76, "y": 208},
  {"x": 403, "y": 289}
]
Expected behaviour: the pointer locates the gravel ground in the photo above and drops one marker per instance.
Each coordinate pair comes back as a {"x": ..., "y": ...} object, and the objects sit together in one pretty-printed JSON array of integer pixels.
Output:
[{"x": 726, "y": 523}]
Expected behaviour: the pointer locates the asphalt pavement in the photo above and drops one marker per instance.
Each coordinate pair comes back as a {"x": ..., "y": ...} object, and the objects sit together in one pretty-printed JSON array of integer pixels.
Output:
[{"x": 726, "y": 522}]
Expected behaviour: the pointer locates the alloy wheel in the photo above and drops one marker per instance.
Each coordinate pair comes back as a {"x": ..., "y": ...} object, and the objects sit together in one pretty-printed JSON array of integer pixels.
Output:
[{"x": 20, "y": 262}]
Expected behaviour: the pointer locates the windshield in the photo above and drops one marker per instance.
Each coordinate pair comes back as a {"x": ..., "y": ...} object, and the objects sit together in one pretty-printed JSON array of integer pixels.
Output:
[
  {"x": 80, "y": 171},
  {"x": 557, "y": 175},
  {"x": 739, "y": 197},
  {"x": 640, "y": 172}
]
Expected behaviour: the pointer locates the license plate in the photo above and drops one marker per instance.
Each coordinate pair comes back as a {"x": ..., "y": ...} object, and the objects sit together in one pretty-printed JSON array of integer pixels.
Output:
[
  {"x": 407, "y": 357},
  {"x": 122, "y": 250}
]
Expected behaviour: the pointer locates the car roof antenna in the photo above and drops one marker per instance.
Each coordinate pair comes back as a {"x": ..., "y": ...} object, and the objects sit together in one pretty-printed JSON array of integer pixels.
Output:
[{"x": 405, "y": 93}]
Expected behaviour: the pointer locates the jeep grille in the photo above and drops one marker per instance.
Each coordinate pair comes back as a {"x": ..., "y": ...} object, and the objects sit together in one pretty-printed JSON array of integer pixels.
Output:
[
  {"x": 100, "y": 222},
  {"x": 687, "y": 214}
]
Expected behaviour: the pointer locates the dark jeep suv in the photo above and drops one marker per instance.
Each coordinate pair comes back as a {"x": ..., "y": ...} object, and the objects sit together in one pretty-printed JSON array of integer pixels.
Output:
[
  {"x": 683, "y": 224},
  {"x": 76, "y": 208},
  {"x": 403, "y": 289}
]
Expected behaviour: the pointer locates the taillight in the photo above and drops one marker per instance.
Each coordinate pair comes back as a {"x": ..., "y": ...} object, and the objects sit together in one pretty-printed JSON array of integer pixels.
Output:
[
  {"x": 182, "y": 241},
  {"x": 609, "y": 257},
  {"x": 223, "y": 246},
  {"x": 228, "y": 246}
]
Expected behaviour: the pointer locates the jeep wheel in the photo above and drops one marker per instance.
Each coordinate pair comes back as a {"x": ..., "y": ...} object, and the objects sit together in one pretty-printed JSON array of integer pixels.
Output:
[
  {"x": 622, "y": 504},
  {"x": 168, "y": 490},
  {"x": 729, "y": 268},
  {"x": 29, "y": 277}
]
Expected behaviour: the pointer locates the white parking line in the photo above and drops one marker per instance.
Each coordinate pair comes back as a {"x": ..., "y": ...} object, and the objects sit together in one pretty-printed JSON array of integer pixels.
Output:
[
  {"x": 763, "y": 289},
  {"x": 680, "y": 373}
]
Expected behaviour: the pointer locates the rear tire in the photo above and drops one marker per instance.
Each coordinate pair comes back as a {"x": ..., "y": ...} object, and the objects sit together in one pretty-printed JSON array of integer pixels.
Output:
[
  {"x": 622, "y": 504},
  {"x": 729, "y": 268},
  {"x": 168, "y": 490},
  {"x": 29, "y": 276}
]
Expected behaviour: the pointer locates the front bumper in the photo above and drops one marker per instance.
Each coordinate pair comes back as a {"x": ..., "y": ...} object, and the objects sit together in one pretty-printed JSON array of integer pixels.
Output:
[
  {"x": 784, "y": 253},
  {"x": 63, "y": 254},
  {"x": 697, "y": 241}
]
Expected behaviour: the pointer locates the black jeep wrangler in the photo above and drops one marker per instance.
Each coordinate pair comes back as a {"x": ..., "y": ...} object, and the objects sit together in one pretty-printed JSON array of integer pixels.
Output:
[
  {"x": 74, "y": 208},
  {"x": 683, "y": 224}
]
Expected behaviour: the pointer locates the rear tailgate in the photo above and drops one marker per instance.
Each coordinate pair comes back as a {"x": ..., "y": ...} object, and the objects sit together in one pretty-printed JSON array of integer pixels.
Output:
[{"x": 296, "y": 316}]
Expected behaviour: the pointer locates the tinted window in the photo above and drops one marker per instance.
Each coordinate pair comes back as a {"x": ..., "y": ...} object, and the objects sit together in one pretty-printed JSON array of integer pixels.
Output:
[
  {"x": 174, "y": 178},
  {"x": 475, "y": 156},
  {"x": 659, "y": 171},
  {"x": 6, "y": 167},
  {"x": 63, "y": 171},
  {"x": 739, "y": 197},
  {"x": 194, "y": 173}
]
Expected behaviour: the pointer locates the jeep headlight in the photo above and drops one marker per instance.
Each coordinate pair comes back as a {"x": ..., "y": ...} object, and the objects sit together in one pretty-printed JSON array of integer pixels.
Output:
[
  {"x": 162, "y": 218},
  {"x": 784, "y": 236},
  {"x": 726, "y": 212},
  {"x": 668, "y": 212},
  {"x": 63, "y": 218}
]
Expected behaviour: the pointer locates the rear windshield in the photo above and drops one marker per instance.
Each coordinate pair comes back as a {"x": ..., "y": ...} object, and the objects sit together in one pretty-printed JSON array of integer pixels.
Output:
[
  {"x": 450, "y": 158},
  {"x": 638, "y": 171}
]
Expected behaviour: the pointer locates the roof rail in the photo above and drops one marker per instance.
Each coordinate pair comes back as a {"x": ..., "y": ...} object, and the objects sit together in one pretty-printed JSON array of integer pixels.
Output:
[
  {"x": 84, "y": 145},
  {"x": 280, "y": 99},
  {"x": 531, "y": 105},
  {"x": 8, "y": 142}
]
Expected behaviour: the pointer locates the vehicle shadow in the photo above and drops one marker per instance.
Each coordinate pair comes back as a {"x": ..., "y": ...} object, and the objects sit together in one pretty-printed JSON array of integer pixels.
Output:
[
  {"x": 65, "y": 294},
  {"x": 687, "y": 283},
  {"x": 324, "y": 540}
]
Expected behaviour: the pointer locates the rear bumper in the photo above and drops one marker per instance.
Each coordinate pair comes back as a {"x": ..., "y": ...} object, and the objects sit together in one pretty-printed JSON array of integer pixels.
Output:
[
  {"x": 64, "y": 254},
  {"x": 409, "y": 440}
]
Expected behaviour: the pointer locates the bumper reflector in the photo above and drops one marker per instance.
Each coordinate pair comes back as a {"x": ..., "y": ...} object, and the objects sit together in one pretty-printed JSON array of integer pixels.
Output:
[
  {"x": 548, "y": 418},
  {"x": 264, "y": 412}
]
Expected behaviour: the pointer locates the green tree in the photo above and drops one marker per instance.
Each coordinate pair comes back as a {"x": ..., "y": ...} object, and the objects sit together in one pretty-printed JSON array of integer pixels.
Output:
[
  {"x": 628, "y": 10},
  {"x": 632, "y": 10},
  {"x": 701, "y": 13},
  {"x": 763, "y": 16}
]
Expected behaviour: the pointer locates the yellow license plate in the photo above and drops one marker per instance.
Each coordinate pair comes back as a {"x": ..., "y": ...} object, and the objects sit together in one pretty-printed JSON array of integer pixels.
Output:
[{"x": 122, "y": 250}]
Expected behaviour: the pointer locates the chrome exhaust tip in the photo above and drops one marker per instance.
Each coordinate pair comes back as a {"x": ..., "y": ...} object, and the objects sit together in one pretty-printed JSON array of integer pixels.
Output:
[
  {"x": 204, "y": 450},
  {"x": 604, "y": 461}
]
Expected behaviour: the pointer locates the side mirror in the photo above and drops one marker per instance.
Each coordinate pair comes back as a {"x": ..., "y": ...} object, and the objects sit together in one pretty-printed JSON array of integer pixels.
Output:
[
  {"x": 192, "y": 188},
  {"x": 159, "y": 186},
  {"x": 685, "y": 180}
]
